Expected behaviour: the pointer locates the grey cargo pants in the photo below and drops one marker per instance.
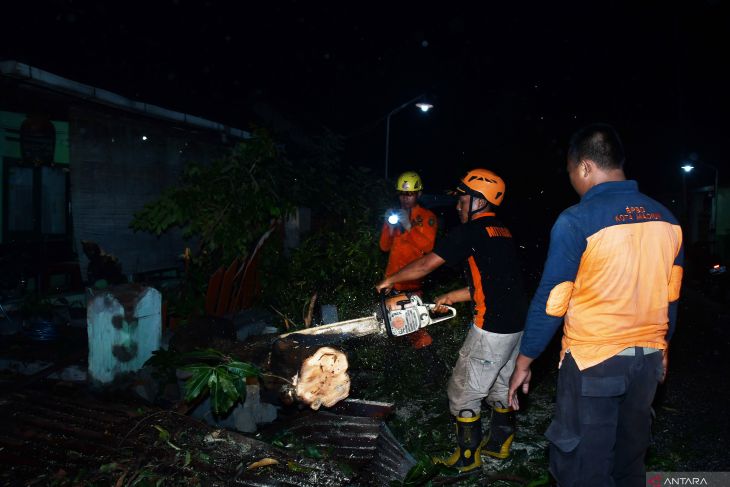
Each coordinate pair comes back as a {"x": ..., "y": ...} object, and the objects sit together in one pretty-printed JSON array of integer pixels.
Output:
[{"x": 485, "y": 364}]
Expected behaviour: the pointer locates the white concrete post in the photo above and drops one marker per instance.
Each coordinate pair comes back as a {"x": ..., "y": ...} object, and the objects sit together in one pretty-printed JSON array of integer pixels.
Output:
[{"x": 124, "y": 327}]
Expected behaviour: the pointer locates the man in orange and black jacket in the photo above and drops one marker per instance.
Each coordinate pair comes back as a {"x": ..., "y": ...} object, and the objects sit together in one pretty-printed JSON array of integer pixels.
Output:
[
  {"x": 484, "y": 246},
  {"x": 613, "y": 274}
]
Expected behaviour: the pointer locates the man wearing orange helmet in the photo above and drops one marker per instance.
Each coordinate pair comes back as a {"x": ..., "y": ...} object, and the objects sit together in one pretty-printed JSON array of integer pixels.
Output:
[
  {"x": 407, "y": 234},
  {"x": 486, "y": 359}
]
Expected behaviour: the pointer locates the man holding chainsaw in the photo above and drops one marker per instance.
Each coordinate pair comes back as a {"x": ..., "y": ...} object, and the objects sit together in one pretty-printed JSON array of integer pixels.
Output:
[
  {"x": 484, "y": 246},
  {"x": 613, "y": 275},
  {"x": 407, "y": 234}
]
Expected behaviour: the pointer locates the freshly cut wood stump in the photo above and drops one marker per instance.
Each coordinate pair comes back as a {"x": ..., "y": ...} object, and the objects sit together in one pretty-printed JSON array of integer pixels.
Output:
[
  {"x": 323, "y": 378},
  {"x": 297, "y": 368},
  {"x": 308, "y": 369}
]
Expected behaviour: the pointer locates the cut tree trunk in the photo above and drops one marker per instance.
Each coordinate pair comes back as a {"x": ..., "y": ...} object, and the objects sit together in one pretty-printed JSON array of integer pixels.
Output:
[
  {"x": 315, "y": 374},
  {"x": 307, "y": 369}
]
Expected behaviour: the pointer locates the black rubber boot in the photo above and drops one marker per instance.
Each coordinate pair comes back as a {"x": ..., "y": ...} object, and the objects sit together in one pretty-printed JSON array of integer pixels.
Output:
[
  {"x": 467, "y": 456},
  {"x": 501, "y": 433}
]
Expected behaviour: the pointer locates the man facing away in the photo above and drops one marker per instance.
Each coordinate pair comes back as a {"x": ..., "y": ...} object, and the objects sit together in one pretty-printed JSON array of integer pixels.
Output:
[
  {"x": 484, "y": 246},
  {"x": 613, "y": 272}
]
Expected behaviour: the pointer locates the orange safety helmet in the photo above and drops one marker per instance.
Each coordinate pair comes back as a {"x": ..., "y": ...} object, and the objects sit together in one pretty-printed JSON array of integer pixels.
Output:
[{"x": 482, "y": 183}]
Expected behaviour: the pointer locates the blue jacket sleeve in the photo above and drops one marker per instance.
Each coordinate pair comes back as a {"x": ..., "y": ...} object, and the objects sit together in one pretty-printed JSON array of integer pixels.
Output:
[{"x": 567, "y": 244}]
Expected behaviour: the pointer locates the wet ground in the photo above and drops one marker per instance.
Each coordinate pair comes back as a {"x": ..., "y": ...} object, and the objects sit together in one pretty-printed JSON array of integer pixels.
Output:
[{"x": 692, "y": 427}]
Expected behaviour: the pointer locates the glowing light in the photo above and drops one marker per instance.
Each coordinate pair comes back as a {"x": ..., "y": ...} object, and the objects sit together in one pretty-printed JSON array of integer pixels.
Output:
[
  {"x": 144, "y": 137},
  {"x": 393, "y": 219},
  {"x": 424, "y": 106},
  {"x": 688, "y": 167}
]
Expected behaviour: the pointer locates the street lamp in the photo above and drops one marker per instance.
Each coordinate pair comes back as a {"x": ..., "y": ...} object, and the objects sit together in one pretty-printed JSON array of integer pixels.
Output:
[{"x": 425, "y": 107}]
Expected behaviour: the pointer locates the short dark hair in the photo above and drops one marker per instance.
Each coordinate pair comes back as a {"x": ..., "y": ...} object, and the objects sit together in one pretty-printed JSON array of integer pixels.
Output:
[{"x": 600, "y": 143}]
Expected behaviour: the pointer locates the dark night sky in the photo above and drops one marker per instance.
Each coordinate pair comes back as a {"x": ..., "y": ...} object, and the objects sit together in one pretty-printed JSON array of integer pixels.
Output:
[{"x": 510, "y": 83}]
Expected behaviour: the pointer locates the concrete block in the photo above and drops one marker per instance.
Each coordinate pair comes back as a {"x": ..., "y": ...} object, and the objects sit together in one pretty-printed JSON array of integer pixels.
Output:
[{"x": 124, "y": 328}]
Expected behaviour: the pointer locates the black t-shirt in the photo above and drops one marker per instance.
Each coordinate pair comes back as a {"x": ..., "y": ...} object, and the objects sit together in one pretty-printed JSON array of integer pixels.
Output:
[{"x": 486, "y": 248}]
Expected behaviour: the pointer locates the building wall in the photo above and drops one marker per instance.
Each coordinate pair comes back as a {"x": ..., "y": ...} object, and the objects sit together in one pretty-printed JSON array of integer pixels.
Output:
[
  {"x": 698, "y": 237},
  {"x": 118, "y": 164},
  {"x": 723, "y": 223},
  {"x": 105, "y": 170}
]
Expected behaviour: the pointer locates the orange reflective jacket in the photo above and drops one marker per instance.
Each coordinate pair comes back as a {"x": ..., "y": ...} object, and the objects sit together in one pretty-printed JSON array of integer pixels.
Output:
[
  {"x": 613, "y": 273},
  {"x": 405, "y": 247}
]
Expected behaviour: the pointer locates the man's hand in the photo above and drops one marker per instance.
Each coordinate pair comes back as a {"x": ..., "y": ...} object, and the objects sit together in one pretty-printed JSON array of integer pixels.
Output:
[
  {"x": 404, "y": 219},
  {"x": 384, "y": 286},
  {"x": 520, "y": 378},
  {"x": 439, "y": 301},
  {"x": 451, "y": 297}
]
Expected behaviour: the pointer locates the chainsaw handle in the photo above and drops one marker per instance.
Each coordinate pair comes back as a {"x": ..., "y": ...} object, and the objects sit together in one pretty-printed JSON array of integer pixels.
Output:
[
  {"x": 384, "y": 311},
  {"x": 448, "y": 316}
]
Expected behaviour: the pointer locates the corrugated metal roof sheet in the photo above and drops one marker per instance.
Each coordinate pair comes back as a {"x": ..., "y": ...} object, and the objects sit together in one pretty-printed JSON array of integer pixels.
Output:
[{"x": 59, "y": 431}]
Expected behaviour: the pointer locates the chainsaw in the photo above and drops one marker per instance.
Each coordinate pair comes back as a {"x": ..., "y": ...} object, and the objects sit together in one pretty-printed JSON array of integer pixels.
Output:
[{"x": 398, "y": 315}]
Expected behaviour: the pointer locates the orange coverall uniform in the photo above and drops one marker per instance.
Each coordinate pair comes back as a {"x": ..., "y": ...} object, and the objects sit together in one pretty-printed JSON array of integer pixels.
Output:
[{"x": 404, "y": 248}]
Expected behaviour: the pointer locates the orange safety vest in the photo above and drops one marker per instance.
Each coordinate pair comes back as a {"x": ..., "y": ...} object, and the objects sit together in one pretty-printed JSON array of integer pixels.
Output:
[{"x": 405, "y": 247}]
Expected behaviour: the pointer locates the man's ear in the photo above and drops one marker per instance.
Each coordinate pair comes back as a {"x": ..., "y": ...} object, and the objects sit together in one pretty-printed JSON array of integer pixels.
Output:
[{"x": 587, "y": 166}]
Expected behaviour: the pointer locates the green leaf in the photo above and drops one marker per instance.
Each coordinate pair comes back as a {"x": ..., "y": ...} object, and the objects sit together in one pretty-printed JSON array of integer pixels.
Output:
[
  {"x": 197, "y": 384},
  {"x": 313, "y": 452},
  {"x": 295, "y": 467},
  {"x": 173, "y": 446},
  {"x": 188, "y": 459},
  {"x": 425, "y": 470},
  {"x": 243, "y": 369},
  {"x": 219, "y": 400},
  {"x": 240, "y": 385},
  {"x": 225, "y": 380},
  {"x": 193, "y": 368},
  {"x": 544, "y": 479},
  {"x": 108, "y": 467},
  {"x": 164, "y": 434}
]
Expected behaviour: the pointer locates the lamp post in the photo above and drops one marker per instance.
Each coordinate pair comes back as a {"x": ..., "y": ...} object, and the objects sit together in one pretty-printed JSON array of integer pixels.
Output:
[
  {"x": 688, "y": 167},
  {"x": 425, "y": 107}
]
